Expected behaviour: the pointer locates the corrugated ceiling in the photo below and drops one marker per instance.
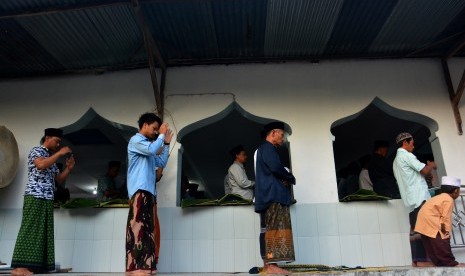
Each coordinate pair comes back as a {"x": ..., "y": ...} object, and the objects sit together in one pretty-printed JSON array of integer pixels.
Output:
[{"x": 42, "y": 37}]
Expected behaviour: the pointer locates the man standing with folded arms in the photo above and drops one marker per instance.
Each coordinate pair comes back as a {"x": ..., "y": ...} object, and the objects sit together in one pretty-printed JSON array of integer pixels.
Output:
[{"x": 272, "y": 201}]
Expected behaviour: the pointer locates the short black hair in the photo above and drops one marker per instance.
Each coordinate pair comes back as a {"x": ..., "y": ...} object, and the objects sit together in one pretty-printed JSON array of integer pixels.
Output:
[
  {"x": 364, "y": 160},
  {"x": 114, "y": 164},
  {"x": 448, "y": 189},
  {"x": 148, "y": 118},
  {"x": 236, "y": 150},
  {"x": 380, "y": 144}
]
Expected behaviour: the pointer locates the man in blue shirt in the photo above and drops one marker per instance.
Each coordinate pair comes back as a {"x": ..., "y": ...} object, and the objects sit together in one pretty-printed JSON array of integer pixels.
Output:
[
  {"x": 147, "y": 150},
  {"x": 272, "y": 201}
]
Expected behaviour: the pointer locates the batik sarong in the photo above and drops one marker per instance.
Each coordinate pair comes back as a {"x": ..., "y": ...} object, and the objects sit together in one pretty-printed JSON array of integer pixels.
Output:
[
  {"x": 35, "y": 246},
  {"x": 278, "y": 242},
  {"x": 140, "y": 233}
]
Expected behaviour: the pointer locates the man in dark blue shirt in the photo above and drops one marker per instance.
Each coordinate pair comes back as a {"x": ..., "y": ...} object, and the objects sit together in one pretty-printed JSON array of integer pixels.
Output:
[{"x": 272, "y": 201}]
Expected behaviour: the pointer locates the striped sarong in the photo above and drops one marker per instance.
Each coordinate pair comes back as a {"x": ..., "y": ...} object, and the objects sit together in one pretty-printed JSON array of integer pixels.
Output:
[
  {"x": 35, "y": 245},
  {"x": 141, "y": 233},
  {"x": 277, "y": 239}
]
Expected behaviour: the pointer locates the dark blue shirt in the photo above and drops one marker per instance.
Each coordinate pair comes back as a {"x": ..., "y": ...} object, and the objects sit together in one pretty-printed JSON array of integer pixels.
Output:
[{"x": 270, "y": 175}]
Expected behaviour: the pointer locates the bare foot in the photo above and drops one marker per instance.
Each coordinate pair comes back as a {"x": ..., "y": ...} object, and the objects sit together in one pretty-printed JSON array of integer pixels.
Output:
[
  {"x": 265, "y": 267},
  {"x": 21, "y": 271},
  {"x": 138, "y": 272},
  {"x": 461, "y": 265},
  {"x": 425, "y": 264},
  {"x": 276, "y": 270}
]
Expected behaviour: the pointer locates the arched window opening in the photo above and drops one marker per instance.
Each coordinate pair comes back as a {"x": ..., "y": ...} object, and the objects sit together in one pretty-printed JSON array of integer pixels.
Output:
[
  {"x": 95, "y": 141},
  {"x": 204, "y": 155},
  {"x": 355, "y": 136}
]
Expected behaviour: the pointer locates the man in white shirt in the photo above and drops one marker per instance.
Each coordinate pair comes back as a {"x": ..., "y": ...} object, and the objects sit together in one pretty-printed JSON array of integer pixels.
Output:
[
  {"x": 410, "y": 175},
  {"x": 237, "y": 179}
]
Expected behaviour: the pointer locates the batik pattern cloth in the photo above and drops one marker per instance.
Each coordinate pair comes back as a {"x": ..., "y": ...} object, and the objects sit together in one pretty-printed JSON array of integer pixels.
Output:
[
  {"x": 279, "y": 245},
  {"x": 40, "y": 183},
  {"x": 141, "y": 233}
]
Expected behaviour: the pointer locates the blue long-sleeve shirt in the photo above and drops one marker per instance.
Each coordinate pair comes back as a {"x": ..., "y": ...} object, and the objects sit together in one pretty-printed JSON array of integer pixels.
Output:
[
  {"x": 142, "y": 161},
  {"x": 269, "y": 177}
]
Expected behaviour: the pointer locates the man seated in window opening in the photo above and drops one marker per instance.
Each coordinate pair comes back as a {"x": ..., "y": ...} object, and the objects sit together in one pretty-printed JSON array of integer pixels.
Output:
[
  {"x": 364, "y": 181},
  {"x": 237, "y": 178},
  {"x": 227, "y": 187},
  {"x": 348, "y": 180},
  {"x": 189, "y": 190},
  {"x": 380, "y": 171},
  {"x": 106, "y": 188}
]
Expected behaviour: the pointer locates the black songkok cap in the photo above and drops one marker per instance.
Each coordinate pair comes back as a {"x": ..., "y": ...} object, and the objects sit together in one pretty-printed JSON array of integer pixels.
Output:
[
  {"x": 236, "y": 150},
  {"x": 273, "y": 125},
  {"x": 56, "y": 132}
]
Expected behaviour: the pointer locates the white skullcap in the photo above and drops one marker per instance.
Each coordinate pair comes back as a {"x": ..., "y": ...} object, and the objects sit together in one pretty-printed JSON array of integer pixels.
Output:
[{"x": 451, "y": 181}]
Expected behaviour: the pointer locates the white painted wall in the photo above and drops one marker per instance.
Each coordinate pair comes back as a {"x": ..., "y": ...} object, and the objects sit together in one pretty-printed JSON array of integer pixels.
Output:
[{"x": 309, "y": 97}]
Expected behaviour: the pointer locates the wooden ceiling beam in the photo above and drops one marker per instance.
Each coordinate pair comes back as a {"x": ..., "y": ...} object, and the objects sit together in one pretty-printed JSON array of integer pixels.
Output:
[
  {"x": 153, "y": 56},
  {"x": 460, "y": 88},
  {"x": 433, "y": 44},
  {"x": 457, "y": 47},
  {"x": 454, "y": 96}
]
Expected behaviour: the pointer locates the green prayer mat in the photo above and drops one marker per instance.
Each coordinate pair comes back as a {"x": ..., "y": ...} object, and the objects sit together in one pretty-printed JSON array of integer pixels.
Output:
[
  {"x": 93, "y": 203},
  {"x": 229, "y": 199},
  {"x": 364, "y": 195},
  {"x": 320, "y": 269},
  {"x": 80, "y": 203}
]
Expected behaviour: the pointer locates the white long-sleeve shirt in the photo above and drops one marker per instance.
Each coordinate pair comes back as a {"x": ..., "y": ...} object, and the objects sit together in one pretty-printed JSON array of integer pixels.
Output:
[{"x": 238, "y": 181}]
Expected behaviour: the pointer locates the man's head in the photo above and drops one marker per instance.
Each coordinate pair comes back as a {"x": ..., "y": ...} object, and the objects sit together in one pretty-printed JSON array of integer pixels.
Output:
[
  {"x": 238, "y": 154},
  {"x": 149, "y": 123},
  {"x": 381, "y": 147},
  {"x": 113, "y": 168},
  {"x": 52, "y": 138},
  {"x": 274, "y": 133},
  {"x": 405, "y": 140},
  {"x": 451, "y": 185}
]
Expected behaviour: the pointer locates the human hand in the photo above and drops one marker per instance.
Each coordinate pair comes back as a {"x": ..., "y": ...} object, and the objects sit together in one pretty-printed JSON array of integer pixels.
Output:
[
  {"x": 168, "y": 136},
  {"x": 286, "y": 183},
  {"x": 70, "y": 162},
  {"x": 163, "y": 128},
  {"x": 443, "y": 228},
  {"x": 432, "y": 164},
  {"x": 64, "y": 151}
]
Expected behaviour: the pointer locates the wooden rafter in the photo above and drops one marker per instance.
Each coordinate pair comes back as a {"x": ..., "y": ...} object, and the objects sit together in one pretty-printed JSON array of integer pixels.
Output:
[
  {"x": 457, "y": 47},
  {"x": 454, "y": 95},
  {"x": 153, "y": 56}
]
